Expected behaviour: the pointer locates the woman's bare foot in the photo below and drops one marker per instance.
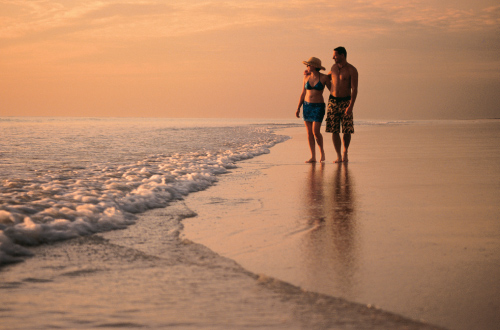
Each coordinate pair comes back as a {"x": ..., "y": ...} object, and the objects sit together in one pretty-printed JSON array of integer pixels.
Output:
[
  {"x": 345, "y": 159},
  {"x": 322, "y": 157},
  {"x": 339, "y": 159},
  {"x": 312, "y": 160}
]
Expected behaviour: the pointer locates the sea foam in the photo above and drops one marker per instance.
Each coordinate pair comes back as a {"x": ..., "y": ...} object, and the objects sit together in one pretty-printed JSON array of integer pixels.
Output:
[{"x": 68, "y": 202}]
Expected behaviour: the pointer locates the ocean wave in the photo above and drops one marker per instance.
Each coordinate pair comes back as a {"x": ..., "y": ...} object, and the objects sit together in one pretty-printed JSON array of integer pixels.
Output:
[{"x": 68, "y": 202}]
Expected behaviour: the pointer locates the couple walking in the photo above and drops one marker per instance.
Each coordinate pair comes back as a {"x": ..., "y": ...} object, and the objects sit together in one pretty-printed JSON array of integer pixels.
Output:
[{"x": 342, "y": 81}]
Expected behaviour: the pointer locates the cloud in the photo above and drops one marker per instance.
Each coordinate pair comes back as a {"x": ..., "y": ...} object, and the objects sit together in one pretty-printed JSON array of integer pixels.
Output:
[
  {"x": 127, "y": 19},
  {"x": 25, "y": 18},
  {"x": 42, "y": 31},
  {"x": 388, "y": 17}
]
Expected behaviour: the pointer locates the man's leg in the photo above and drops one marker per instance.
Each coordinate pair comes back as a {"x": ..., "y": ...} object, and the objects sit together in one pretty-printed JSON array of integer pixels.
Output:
[
  {"x": 333, "y": 120},
  {"x": 337, "y": 143},
  {"x": 347, "y": 141},
  {"x": 347, "y": 129}
]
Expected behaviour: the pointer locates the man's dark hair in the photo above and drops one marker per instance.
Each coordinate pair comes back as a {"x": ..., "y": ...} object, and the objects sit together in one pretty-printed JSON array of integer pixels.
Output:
[{"x": 341, "y": 51}]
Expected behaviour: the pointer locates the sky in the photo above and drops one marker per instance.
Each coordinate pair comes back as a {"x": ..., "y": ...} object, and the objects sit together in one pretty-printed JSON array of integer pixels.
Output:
[{"x": 417, "y": 59}]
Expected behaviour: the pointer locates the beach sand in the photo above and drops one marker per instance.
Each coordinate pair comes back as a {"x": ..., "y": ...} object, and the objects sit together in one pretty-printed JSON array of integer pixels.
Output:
[{"x": 410, "y": 224}]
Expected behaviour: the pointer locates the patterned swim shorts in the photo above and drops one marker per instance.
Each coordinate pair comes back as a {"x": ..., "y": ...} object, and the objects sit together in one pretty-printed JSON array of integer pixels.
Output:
[
  {"x": 336, "y": 115},
  {"x": 314, "y": 111}
]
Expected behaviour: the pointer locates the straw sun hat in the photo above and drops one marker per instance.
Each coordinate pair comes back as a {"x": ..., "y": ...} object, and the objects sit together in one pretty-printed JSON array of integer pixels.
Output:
[{"x": 314, "y": 62}]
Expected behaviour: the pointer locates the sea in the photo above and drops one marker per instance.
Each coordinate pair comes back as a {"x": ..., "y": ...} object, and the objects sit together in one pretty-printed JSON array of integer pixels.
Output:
[
  {"x": 70, "y": 177},
  {"x": 91, "y": 212}
]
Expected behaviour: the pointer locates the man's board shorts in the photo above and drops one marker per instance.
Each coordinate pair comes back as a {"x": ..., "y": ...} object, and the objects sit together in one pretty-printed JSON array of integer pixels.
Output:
[
  {"x": 314, "y": 111},
  {"x": 336, "y": 116}
]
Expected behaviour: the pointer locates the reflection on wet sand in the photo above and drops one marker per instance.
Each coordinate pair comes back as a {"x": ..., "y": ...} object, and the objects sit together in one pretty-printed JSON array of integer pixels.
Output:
[
  {"x": 314, "y": 196},
  {"x": 331, "y": 253}
]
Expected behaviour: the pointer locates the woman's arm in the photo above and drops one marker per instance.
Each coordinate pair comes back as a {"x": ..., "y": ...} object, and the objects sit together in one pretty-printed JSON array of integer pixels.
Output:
[{"x": 302, "y": 97}]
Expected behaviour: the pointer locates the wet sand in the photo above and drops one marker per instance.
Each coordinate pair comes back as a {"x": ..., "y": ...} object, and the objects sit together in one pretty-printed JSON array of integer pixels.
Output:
[
  {"x": 145, "y": 277},
  {"x": 410, "y": 224}
]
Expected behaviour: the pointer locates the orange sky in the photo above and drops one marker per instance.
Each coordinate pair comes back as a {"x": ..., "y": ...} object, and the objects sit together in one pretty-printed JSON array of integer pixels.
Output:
[{"x": 417, "y": 59}]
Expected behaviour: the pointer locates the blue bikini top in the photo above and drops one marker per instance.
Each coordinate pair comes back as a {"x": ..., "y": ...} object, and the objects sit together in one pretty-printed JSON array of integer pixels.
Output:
[{"x": 319, "y": 86}]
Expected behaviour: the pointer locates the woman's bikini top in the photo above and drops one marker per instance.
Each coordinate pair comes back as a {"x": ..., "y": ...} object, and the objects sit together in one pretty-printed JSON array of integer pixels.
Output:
[{"x": 319, "y": 86}]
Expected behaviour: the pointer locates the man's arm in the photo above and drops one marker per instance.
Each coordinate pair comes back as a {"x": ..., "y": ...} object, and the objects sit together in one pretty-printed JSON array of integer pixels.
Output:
[
  {"x": 329, "y": 81},
  {"x": 354, "y": 89}
]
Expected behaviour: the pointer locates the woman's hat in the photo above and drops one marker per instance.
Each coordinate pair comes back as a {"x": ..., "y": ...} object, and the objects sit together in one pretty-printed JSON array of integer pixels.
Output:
[{"x": 314, "y": 62}]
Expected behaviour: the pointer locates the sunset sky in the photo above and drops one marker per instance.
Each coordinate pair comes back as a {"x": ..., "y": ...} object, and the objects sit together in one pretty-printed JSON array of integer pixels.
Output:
[{"x": 421, "y": 59}]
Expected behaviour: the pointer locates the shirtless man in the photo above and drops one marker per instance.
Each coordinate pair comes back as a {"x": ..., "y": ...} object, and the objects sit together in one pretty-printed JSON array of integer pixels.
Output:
[{"x": 341, "y": 102}]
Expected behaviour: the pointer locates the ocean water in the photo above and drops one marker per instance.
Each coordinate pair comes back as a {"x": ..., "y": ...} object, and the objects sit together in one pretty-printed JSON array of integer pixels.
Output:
[{"x": 66, "y": 178}]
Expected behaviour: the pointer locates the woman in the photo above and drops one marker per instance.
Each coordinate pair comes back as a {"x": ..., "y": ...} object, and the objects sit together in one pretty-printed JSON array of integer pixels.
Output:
[{"x": 314, "y": 105}]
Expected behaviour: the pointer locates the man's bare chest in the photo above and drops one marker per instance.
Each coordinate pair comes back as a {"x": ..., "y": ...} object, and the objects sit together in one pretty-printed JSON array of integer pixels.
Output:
[{"x": 340, "y": 78}]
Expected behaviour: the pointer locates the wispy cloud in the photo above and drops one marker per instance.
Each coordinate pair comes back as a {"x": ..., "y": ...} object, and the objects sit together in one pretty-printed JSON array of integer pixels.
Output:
[
  {"x": 126, "y": 19},
  {"x": 94, "y": 30},
  {"x": 123, "y": 17},
  {"x": 387, "y": 17}
]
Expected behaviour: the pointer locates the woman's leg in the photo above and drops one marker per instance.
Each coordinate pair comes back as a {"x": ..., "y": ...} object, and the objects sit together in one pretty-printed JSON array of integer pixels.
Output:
[
  {"x": 310, "y": 138},
  {"x": 319, "y": 139}
]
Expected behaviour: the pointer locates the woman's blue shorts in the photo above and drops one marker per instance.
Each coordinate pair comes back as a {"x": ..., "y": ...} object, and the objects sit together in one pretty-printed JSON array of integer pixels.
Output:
[{"x": 313, "y": 111}]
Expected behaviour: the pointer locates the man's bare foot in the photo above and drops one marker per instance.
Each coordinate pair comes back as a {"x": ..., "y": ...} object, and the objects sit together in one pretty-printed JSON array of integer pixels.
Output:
[
  {"x": 339, "y": 159},
  {"x": 345, "y": 159},
  {"x": 322, "y": 158},
  {"x": 312, "y": 160}
]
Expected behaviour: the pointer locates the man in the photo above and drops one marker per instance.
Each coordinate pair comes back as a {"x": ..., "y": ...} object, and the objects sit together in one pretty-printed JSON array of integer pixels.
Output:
[{"x": 341, "y": 102}]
